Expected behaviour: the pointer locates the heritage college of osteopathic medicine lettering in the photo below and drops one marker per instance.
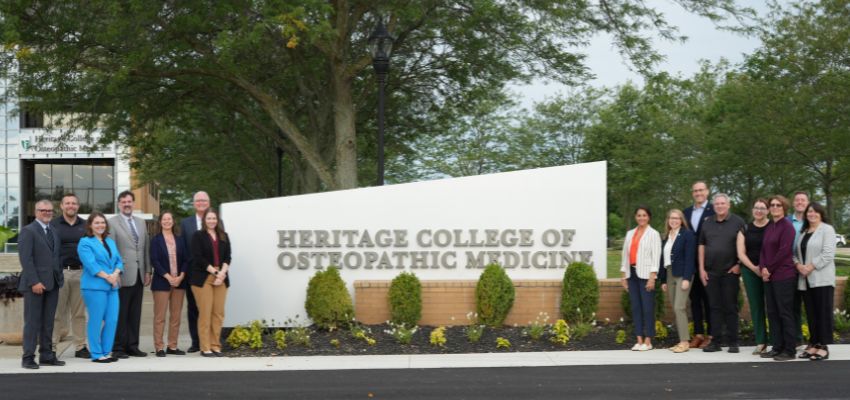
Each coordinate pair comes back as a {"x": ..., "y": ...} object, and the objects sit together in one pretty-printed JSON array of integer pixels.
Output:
[{"x": 386, "y": 248}]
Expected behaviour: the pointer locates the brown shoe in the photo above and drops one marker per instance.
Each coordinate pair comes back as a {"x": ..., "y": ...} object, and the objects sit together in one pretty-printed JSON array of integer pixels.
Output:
[
  {"x": 706, "y": 342},
  {"x": 696, "y": 341}
]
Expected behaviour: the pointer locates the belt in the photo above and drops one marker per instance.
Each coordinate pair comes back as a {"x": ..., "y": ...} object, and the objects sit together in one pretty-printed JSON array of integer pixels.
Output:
[{"x": 72, "y": 267}]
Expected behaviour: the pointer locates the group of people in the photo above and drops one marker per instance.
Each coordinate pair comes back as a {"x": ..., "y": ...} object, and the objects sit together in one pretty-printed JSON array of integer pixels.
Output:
[
  {"x": 93, "y": 272},
  {"x": 784, "y": 260}
]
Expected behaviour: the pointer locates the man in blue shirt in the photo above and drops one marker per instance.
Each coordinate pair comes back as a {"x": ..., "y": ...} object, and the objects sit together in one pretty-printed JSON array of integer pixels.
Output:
[
  {"x": 695, "y": 215},
  {"x": 801, "y": 202}
]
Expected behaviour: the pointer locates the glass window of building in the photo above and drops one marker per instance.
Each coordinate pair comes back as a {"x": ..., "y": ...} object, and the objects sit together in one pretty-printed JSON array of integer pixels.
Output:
[{"x": 91, "y": 180}]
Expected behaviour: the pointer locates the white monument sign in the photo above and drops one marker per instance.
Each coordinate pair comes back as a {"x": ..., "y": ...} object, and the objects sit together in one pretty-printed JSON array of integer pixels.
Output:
[{"x": 532, "y": 222}]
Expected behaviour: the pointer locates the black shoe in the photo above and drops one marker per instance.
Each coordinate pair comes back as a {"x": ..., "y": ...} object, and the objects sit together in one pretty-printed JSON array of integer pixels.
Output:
[
  {"x": 193, "y": 349},
  {"x": 176, "y": 352},
  {"x": 218, "y": 353},
  {"x": 102, "y": 360},
  {"x": 120, "y": 354},
  {"x": 210, "y": 354},
  {"x": 770, "y": 354},
  {"x": 160, "y": 353},
  {"x": 29, "y": 363},
  {"x": 734, "y": 349},
  {"x": 711, "y": 348},
  {"x": 53, "y": 362},
  {"x": 112, "y": 359},
  {"x": 137, "y": 353},
  {"x": 784, "y": 356},
  {"x": 82, "y": 353}
]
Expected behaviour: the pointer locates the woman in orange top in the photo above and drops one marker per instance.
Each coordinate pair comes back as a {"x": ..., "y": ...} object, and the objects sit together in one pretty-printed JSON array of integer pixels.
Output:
[{"x": 640, "y": 260}]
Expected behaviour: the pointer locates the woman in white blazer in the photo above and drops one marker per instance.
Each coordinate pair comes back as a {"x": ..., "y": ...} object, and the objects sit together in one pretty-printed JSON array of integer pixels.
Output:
[
  {"x": 640, "y": 260},
  {"x": 814, "y": 257}
]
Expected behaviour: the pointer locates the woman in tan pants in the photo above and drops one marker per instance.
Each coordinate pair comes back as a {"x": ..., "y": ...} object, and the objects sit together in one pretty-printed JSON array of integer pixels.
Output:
[
  {"x": 209, "y": 280},
  {"x": 170, "y": 265}
]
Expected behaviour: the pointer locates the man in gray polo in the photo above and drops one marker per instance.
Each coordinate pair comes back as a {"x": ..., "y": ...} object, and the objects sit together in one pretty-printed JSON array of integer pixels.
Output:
[{"x": 720, "y": 271}]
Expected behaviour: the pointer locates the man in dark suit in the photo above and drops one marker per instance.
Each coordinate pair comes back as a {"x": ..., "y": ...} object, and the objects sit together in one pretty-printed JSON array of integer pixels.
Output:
[
  {"x": 188, "y": 227},
  {"x": 131, "y": 237},
  {"x": 695, "y": 215},
  {"x": 41, "y": 278}
]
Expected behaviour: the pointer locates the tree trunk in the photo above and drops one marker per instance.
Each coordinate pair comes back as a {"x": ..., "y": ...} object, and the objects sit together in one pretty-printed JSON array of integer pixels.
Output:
[{"x": 344, "y": 130}]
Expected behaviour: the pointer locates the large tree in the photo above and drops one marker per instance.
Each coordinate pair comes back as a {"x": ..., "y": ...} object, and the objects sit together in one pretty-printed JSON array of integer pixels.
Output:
[{"x": 298, "y": 72}]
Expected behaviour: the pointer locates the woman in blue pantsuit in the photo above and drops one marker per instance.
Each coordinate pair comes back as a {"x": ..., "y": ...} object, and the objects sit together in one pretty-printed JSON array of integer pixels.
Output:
[{"x": 102, "y": 268}]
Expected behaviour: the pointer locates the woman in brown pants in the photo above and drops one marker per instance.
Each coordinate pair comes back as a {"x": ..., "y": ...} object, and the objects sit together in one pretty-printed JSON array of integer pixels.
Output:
[
  {"x": 169, "y": 261},
  {"x": 209, "y": 279}
]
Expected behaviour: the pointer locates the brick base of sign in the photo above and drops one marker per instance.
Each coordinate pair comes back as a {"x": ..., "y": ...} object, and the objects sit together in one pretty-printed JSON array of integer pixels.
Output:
[{"x": 448, "y": 302}]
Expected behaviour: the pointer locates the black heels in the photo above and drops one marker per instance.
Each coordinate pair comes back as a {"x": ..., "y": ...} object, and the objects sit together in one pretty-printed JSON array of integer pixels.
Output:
[{"x": 820, "y": 357}]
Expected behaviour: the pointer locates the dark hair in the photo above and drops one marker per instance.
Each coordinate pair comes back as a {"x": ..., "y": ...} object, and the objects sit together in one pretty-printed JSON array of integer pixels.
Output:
[
  {"x": 818, "y": 209},
  {"x": 644, "y": 208},
  {"x": 799, "y": 192},
  {"x": 219, "y": 231},
  {"x": 92, "y": 216},
  {"x": 782, "y": 200},
  {"x": 125, "y": 194},
  {"x": 70, "y": 194},
  {"x": 174, "y": 229}
]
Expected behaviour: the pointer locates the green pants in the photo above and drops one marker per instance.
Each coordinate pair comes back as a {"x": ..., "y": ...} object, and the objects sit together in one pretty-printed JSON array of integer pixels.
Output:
[{"x": 755, "y": 296}]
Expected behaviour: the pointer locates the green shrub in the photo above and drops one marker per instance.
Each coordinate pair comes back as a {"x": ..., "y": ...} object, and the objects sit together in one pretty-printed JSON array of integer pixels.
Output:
[
  {"x": 579, "y": 293},
  {"x": 405, "y": 298},
  {"x": 494, "y": 296},
  {"x": 626, "y": 303},
  {"x": 251, "y": 335},
  {"x": 328, "y": 301}
]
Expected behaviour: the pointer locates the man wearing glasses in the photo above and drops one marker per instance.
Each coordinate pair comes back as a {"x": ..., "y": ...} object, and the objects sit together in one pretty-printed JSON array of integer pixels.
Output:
[
  {"x": 700, "y": 308},
  {"x": 188, "y": 227},
  {"x": 41, "y": 278}
]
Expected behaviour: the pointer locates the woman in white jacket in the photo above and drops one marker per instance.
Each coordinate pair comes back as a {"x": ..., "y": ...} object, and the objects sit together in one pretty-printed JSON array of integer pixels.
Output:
[
  {"x": 814, "y": 257},
  {"x": 640, "y": 260}
]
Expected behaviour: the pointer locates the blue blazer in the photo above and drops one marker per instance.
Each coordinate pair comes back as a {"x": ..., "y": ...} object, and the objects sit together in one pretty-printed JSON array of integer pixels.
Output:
[
  {"x": 95, "y": 258},
  {"x": 162, "y": 266},
  {"x": 682, "y": 256},
  {"x": 709, "y": 212}
]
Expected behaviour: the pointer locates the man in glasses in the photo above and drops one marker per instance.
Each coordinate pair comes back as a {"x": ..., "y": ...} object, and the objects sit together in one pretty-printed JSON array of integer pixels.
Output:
[
  {"x": 717, "y": 256},
  {"x": 41, "y": 278},
  {"x": 700, "y": 308},
  {"x": 188, "y": 227}
]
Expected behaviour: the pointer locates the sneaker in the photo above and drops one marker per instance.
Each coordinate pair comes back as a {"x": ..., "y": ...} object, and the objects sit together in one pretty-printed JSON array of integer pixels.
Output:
[
  {"x": 636, "y": 347},
  {"x": 645, "y": 347},
  {"x": 82, "y": 353}
]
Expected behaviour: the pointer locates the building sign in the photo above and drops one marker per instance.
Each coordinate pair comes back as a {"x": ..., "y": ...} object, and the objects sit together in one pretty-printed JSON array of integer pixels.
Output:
[
  {"x": 39, "y": 143},
  {"x": 531, "y": 222}
]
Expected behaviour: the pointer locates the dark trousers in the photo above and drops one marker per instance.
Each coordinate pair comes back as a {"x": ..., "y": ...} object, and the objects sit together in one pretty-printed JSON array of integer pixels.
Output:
[
  {"x": 129, "y": 317},
  {"x": 819, "y": 303},
  {"x": 39, "y": 311},
  {"x": 192, "y": 316},
  {"x": 643, "y": 306},
  {"x": 700, "y": 310},
  {"x": 780, "y": 314},
  {"x": 798, "y": 314},
  {"x": 722, "y": 293}
]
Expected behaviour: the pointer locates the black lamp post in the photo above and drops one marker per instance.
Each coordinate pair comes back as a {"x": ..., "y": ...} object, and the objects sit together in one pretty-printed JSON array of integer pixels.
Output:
[{"x": 381, "y": 45}]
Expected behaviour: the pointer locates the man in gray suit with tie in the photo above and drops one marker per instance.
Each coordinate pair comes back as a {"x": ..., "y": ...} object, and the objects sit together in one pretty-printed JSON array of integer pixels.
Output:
[
  {"x": 131, "y": 237},
  {"x": 41, "y": 278}
]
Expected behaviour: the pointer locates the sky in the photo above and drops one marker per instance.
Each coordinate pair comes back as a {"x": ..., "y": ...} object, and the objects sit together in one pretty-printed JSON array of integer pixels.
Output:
[{"x": 705, "y": 42}]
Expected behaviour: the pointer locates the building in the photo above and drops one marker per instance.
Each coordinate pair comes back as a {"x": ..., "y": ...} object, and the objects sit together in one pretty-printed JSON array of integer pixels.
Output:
[{"x": 38, "y": 163}]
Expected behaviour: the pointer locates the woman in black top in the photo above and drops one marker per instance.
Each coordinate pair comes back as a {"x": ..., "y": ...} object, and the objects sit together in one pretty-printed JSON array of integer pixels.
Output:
[{"x": 749, "y": 247}]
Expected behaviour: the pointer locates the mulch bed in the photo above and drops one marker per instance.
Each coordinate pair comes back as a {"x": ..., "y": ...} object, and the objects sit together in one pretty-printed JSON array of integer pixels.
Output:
[{"x": 602, "y": 337}]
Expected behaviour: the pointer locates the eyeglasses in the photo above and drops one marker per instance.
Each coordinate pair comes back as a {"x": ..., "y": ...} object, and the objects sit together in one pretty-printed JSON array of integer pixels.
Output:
[
  {"x": 45, "y": 211},
  {"x": 774, "y": 205},
  {"x": 759, "y": 209}
]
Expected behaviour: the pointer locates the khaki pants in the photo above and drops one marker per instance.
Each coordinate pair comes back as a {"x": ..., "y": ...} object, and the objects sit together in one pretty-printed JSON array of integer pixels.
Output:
[
  {"x": 679, "y": 301},
  {"x": 210, "y": 301},
  {"x": 172, "y": 300},
  {"x": 71, "y": 307}
]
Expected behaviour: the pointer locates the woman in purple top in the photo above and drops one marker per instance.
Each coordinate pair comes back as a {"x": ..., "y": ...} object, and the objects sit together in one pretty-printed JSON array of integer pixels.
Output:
[{"x": 776, "y": 263}]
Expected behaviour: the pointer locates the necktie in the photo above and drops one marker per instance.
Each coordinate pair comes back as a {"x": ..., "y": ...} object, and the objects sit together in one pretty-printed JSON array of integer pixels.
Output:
[
  {"x": 48, "y": 234},
  {"x": 133, "y": 229}
]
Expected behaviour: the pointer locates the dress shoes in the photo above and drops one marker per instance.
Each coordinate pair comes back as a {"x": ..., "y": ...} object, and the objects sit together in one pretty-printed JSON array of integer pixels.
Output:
[
  {"x": 784, "y": 356},
  {"x": 207, "y": 354},
  {"x": 193, "y": 349},
  {"x": 217, "y": 353},
  {"x": 770, "y": 354},
  {"x": 112, "y": 359},
  {"x": 706, "y": 342},
  {"x": 711, "y": 348},
  {"x": 82, "y": 353},
  {"x": 120, "y": 354},
  {"x": 101, "y": 360},
  {"x": 52, "y": 362},
  {"x": 29, "y": 363},
  {"x": 176, "y": 352},
  {"x": 137, "y": 353},
  {"x": 696, "y": 341},
  {"x": 734, "y": 349},
  {"x": 160, "y": 353}
]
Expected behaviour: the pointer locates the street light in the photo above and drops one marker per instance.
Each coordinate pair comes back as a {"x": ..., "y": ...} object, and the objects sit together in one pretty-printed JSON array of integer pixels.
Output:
[{"x": 381, "y": 46}]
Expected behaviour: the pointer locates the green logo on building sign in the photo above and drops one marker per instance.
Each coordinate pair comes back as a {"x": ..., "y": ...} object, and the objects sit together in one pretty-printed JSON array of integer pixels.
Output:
[{"x": 25, "y": 144}]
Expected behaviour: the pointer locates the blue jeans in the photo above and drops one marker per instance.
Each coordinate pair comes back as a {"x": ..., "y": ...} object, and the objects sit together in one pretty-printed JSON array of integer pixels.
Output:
[
  {"x": 643, "y": 306},
  {"x": 102, "y": 306}
]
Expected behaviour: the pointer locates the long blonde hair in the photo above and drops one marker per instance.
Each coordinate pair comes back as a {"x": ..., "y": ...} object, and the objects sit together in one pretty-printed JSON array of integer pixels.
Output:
[{"x": 667, "y": 221}]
